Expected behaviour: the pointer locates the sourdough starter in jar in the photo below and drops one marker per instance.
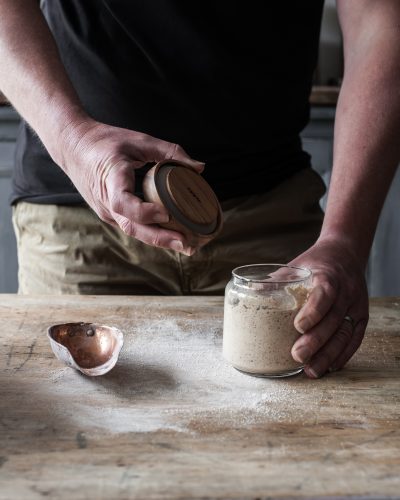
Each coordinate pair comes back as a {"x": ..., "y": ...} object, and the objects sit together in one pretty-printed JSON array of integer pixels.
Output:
[{"x": 261, "y": 302}]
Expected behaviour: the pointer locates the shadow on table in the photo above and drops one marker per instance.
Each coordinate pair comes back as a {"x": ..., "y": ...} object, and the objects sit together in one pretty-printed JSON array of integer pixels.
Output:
[
  {"x": 43, "y": 415},
  {"x": 133, "y": 381}
]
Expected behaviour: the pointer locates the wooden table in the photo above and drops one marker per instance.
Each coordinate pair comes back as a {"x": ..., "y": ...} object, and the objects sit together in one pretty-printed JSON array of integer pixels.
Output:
[{"x": 173, "y": 420}]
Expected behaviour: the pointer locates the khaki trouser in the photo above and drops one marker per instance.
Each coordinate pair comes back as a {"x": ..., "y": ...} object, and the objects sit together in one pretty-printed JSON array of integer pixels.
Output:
[{"x": 68, "y": 249}]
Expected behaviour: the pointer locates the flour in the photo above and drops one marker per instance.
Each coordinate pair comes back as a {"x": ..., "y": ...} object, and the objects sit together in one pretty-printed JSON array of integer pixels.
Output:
[
  {"x": 171, "y": 376},
  {"x": 259, "y": 329}
]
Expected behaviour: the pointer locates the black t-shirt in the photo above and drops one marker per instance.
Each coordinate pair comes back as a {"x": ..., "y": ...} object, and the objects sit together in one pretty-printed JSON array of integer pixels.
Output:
[{"x": 229, "y": 81}]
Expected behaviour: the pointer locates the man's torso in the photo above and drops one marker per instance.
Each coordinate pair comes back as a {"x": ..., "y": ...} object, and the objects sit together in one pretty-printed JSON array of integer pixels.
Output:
[{"x": 227, "y": 81}]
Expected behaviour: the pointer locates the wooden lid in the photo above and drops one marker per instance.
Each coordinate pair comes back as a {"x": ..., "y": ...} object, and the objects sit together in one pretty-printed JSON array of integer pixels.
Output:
[
  {"x": 188, "y": 197},
  {"x": 192, "y": 195}
]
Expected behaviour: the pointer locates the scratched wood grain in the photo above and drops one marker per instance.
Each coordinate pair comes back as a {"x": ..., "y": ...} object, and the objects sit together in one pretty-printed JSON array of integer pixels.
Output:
[{"x": 172, "y": 420}]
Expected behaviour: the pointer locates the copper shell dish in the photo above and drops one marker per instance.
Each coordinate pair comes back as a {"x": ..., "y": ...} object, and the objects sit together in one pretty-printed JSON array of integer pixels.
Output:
[{"x": 92, "y": 349}]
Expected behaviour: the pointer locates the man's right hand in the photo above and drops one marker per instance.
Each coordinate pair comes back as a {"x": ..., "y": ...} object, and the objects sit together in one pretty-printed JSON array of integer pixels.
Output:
[{"x": 101, "y": 160}]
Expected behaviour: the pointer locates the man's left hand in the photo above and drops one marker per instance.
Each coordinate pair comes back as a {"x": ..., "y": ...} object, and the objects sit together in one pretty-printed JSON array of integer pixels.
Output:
[{"x": 334, "y": 319}]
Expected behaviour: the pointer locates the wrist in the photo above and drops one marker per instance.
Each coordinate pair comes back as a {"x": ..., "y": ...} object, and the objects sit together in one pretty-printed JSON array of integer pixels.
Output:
[
  {"x": 350, "y": 245},
  {"x": 61, "y": 140}
]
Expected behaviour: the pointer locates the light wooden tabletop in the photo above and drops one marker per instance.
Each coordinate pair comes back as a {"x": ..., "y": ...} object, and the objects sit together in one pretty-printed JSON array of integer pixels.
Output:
[{"x": 173, "y": 420}]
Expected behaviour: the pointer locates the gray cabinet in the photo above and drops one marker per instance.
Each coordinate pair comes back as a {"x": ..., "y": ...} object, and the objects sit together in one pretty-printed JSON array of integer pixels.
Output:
[
  {"x": 8, "y": 250},
  {"x": 384, "y": 270},
  {"x": 317, "y": 139}
]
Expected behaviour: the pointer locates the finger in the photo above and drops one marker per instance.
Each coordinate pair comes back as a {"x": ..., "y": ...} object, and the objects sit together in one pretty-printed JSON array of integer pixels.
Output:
[
  {"x": 136, "y": 210},
  {"x": 154, "y": 236},
  {"x": 180, "y": 154},
  {"x": 354, "y": 344},
  {"x": 120, "y": 186},
  {"x": 319, "y": 302},
  {"x": 312, "y": 341},
  {"x": 104, "y": 215},
  {"x": 323, "y": 359}
]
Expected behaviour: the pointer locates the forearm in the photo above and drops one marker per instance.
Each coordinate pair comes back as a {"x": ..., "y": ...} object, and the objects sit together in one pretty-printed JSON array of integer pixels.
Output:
[
  {"x": 32, "y": 75},
  {"x": 366, "y": 145}
]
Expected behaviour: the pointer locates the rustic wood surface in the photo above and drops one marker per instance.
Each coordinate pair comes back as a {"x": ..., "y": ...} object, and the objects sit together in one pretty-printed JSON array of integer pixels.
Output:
[
  {"x": 324, "y": 95},
  {"x": 172, "y": 420}
]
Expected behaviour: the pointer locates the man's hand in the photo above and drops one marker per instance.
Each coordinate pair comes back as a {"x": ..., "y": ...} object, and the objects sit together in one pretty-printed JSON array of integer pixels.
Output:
[
  {"x": 101, "y": 160},
  {"x": 366, "y": 154},
  {"x": 339, "y": 290}
]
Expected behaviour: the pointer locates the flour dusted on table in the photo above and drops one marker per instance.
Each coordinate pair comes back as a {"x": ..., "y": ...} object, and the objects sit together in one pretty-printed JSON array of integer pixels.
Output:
[{"x": 171, "y": 376}]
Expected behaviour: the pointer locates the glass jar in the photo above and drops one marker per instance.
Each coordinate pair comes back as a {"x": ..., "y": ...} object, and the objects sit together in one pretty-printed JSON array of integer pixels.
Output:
[{"x": 261, "y": 302}]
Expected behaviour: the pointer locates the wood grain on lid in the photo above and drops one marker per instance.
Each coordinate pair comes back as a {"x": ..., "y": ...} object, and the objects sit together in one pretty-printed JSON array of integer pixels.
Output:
[{"x": 192, "y": 195}]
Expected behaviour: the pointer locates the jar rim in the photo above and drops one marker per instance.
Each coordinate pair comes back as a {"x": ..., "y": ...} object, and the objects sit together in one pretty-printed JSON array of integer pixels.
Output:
[{"x": 269, "y": 279}]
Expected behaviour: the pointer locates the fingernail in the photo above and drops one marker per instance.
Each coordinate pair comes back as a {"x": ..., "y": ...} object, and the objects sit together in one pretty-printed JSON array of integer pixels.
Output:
[
  {"x": 302, "y": 354},
  {"x": 161, "y": 217},
  {"x": 176, "y": 245},
  {"x": 312, "y": 372},
  {"x": 189, "y": 251},
  {"x": 198, "y": 164},
  {"x": 302, "y": 325}
]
